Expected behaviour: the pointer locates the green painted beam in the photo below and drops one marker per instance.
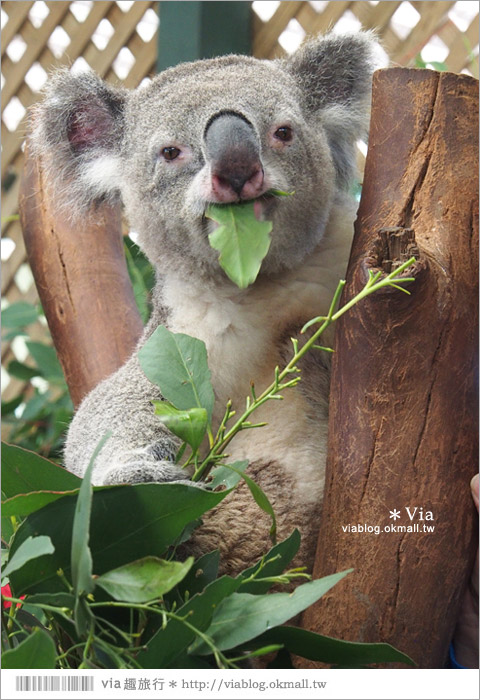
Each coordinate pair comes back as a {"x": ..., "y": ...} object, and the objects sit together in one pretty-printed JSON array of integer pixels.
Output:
[{"x": 192, "y": 30}]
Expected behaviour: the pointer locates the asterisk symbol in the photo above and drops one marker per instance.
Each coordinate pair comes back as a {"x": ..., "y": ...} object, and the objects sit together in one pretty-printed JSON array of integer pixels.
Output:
[
  {"x": 173, "y": 684},
  {"x": 394, "y": 513}
]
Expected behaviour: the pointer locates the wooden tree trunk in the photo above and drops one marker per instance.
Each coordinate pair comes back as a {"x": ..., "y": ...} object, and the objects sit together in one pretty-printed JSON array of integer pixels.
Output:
[
  {"x": 403, "y": 424},
  {"x": 83, "y": 284}
]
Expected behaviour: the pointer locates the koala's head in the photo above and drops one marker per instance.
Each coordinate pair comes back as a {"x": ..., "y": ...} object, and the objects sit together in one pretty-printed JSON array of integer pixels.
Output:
[{"x": 223, "y": 130}]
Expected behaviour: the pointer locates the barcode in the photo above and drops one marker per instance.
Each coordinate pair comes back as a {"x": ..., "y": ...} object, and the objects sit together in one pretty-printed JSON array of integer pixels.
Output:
[{"x": 52, "y": 683}]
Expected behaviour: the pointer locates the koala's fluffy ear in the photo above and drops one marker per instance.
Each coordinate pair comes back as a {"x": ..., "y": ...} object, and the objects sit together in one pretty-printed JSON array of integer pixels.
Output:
[
  {"x": 77, "y": 130},
  {"x": 334, "y": 74}
]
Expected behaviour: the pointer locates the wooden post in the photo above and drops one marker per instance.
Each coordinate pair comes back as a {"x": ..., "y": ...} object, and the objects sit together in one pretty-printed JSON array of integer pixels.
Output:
[
  {"x": 403, "y": 424},
  {"x": 83, "y": 284}
]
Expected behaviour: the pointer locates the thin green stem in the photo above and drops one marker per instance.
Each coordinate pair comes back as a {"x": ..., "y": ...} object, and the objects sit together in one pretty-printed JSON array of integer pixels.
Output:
[
  {"x": 64, "y": 580},
  {"x": 219, "y": 657},
  {"x": 270, "y": 392},
  {"x": 211, "y": 440},
  {"x": 44, "y": 606},
  {"x": 67, "y": 653},
  {"x": 88, "y": 646}
]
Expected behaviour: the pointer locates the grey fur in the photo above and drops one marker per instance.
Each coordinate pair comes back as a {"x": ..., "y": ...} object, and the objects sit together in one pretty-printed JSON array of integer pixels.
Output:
[{"x": 101, "y": 142}]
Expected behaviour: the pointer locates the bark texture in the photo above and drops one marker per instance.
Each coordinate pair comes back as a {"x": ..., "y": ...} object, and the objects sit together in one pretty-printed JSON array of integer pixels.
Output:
[
  {"x": 403, "y": 424},
  {"x": 83, "y": 284}
]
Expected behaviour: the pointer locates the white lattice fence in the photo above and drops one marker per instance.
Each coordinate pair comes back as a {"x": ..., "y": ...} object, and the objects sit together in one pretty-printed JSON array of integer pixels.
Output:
[{"x": 117, "y": 39}]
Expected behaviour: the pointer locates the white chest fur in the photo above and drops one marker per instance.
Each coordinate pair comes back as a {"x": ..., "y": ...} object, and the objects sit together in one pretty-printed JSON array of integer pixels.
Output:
[{"x": 242, "y": 330}]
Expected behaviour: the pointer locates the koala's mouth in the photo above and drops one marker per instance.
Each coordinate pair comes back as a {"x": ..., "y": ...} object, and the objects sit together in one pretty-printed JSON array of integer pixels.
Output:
[
  {"x": 263, "y": 209},
  {"x": 262, "y": 205}
]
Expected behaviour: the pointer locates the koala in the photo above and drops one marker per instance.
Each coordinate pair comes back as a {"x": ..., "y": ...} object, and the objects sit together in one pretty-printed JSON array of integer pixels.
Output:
[{"x": 222, "y": 130}]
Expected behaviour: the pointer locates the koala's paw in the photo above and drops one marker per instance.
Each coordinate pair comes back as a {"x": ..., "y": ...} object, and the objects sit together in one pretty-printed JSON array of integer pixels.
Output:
[
  {"x": 150, "y": 464},
  {"x": 137, "y": 474}
]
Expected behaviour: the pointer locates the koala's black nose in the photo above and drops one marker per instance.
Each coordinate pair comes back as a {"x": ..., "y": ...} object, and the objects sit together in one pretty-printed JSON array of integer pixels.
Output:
[{"x": 233, "y": 151}]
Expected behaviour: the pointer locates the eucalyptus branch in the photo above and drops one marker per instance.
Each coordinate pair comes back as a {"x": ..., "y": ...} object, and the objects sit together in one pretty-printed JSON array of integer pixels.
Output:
[
  {"x": 281, "y": 380},
  {"x": 87, "y": 647},
  {"x": 44, "y": 606},
  {"x": 286, "y": 577},
  {"x": 67, "y": 653},
  {"x": 222, "y": 661}
]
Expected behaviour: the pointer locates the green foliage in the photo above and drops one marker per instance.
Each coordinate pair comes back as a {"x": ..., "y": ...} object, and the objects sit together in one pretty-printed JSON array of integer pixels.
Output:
[
  {"x": 435, "y": 65},
  {"x": 177, "y": 363},
  {"x": 244, "y": 616},
  {"x": 35, "y": 474},
  {"x": 35, "y": 419},
  {"x": 81, "y": 556},
  {"x": 241, "y": 239},
  {"x": 109, "y": 589},
  {"x": 329, "y": 650},
  {"x": 142, "y": 277},
  {"x": 258, "y": 496},
  {"x": 145, "y": 579},
  {"x": 442, "y": 67},
  {"x": 190, "y": 426},
  {"x": 19, "y": 315},
  {"x": 30, "y": 549},
  {"x": 186, "y": 617},
  {"x": 35, "y": 651},
  {"x": 164, "y": 511}
]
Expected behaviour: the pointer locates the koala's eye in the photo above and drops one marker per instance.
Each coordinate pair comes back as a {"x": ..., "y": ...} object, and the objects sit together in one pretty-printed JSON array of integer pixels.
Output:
[
  {"x": 284, "y": 133},
  {"x": 170, "y": 152}
]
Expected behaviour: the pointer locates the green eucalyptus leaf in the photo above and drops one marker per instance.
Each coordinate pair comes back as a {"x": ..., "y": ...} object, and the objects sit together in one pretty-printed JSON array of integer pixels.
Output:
[
  {"x": 144, "y": 579},
  {"x": 259, "y": 497},
  {"x": 81, "y": 561},
  {"x": 177, "y": 363},
  {"x": 243, "y": 616},
  {"x": 36, "y": 405},
  {"x": 277, "y": 560},
  {"x": 203, "y": 572},
  {"x": 81, "y": 555},
  {"x": 141, "y": 276},
  {"x": 83, "y": 616},
  {"x": 32, "y": 548},
  {"x": 24, "y": 471},
  {"x": 281, "y": 660},
  {"x": 262, "y": 651},
  {"x": 8, "y": 407},
  {"x": 241, "y": 239},
  {"x": 189, "y": 425},
  {"x": 169, "y": 644},
  {"x": 58, "y": 600},
  {"x": 329, "y": 650},
  {"x": 281, "y": 193},
  {"x": 162, "y": 512},
  {"x": 25, "y": 503},
  {"x": 438, "y": 65},
  {"x": 19, "y": 315},
  {"x": 7, "y": 529},
  {"x": 187, "y": 661},
  {"x": 36, "y": 651},
  {"x": 20, "y": 370},
  {"x": 187, "y": 531},
  {"x": 46, "y": 360},
  {"x": 226, "y": 476},
  {"x": 15, "y": 333}
]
